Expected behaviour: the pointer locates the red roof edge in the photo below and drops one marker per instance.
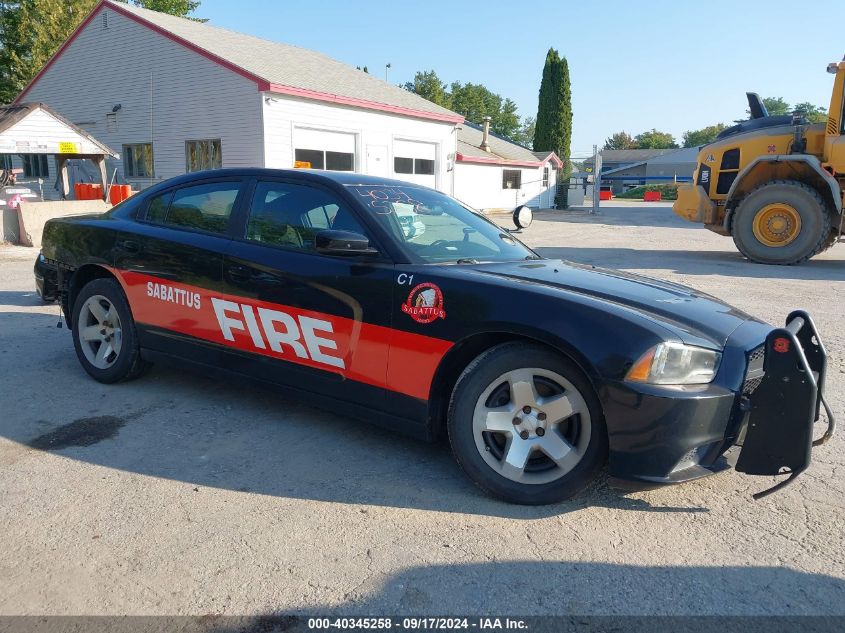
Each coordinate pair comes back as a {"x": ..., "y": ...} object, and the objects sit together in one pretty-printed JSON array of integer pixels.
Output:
[
  {"x": 483, "y": 160},
  {"x": 261, "y": 83},
  {"x": 359, "y": 103}
]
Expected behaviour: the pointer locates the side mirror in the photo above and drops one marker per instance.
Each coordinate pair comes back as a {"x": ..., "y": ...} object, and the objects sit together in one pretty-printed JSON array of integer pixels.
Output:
[
  {"x": 522, "y": 217},
  {"x": 349, "y": 243}
]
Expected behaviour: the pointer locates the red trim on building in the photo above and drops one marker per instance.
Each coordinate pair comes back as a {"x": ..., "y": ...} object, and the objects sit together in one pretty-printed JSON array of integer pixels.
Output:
[
  {"x": 483, "y": 160},
  {"x": 261, "y": 83}
]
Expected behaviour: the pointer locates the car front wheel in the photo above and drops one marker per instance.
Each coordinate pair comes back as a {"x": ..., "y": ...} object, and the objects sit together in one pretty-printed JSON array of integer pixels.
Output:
[
  {"x": 104, "y": 333},
  {"x": 526, "y": 426}
]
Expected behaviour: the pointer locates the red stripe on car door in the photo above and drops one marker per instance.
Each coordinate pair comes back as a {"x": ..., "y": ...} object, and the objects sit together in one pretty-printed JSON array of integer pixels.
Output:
[{"x": 384, "y": 357}]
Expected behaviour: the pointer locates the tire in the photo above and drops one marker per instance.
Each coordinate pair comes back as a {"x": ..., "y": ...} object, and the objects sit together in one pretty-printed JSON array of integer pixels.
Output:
[
  {"x": 491, "y": 393},
  {"x": 107, "y": 347},
  {"x": 800, "y": 200},
  {"x": 832, "y": 239}
]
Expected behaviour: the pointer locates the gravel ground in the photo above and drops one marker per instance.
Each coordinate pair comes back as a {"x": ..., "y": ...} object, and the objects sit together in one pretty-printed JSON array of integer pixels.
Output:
[{"x": 186, "y": 495}]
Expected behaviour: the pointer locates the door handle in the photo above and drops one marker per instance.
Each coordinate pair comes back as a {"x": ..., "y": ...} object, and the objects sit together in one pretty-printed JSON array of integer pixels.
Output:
[
  {"x": 130, "y": 246},
  {"x": 238, "y": 273}
]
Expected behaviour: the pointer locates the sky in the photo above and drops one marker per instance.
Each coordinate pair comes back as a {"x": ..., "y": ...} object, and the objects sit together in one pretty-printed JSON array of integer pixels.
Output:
[{"x": 671, "y": 65}]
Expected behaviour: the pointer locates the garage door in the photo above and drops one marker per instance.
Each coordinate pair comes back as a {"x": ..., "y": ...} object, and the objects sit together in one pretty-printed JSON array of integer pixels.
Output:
[
  {"x": 324, "y": 149},
  {"x": 415, "y": 162}
]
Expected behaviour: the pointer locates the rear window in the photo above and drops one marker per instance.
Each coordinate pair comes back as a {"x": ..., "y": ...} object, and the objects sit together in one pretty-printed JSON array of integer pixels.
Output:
[{"x": 205, "y": 207}]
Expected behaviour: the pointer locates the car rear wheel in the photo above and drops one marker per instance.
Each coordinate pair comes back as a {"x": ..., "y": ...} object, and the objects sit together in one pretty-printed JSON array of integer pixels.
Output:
[
  {"x": 104, "y": 333},
  {"x": 526, "y": 426}
]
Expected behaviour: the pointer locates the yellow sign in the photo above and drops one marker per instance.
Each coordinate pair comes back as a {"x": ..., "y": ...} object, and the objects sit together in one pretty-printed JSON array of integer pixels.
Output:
[
  {"x": 302, "y": 164},
  {"x": 66, "y": 147}
]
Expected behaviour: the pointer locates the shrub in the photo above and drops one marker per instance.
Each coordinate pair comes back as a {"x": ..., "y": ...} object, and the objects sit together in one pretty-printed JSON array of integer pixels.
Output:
[{"x": 667, "y": 191}]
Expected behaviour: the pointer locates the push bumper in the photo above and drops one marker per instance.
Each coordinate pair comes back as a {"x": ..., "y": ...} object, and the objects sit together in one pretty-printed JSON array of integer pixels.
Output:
[
  {"x": 694, "y": 205},
  {"x": 766, "y": 403},
  {"x": 778, "y": 438}
]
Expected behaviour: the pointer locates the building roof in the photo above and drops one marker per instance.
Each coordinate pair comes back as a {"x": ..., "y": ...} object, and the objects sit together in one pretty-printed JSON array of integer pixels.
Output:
[
  {"x": 632, "y": 155},
  {"x": 276, "y": 67},
  {"x": 11, "y": 115},
  {"x": 683, "y": 155},
  {"x": 502, "y": 151}
]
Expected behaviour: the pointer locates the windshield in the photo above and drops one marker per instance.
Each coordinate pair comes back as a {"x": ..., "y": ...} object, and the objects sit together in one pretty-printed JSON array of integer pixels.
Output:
[{"x": 436, "y": 228}]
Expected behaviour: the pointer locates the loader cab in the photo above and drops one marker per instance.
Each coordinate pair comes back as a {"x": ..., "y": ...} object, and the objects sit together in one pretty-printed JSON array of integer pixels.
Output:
[
  {"x": 760, "y": 118},
  {"x": 834, "y": 145}
]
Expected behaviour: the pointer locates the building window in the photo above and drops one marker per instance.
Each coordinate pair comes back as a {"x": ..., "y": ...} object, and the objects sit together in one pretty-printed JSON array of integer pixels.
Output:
[
  {"x": 138, "y": 160},
  {"x": 545, "y": 176},
  {"x": 511, "y": 179},
  {"x": 202, "y": 155},
  {"x": 419, "y": 166},
  {"x": 35, "y": 166},
  {"x": 319, "y": 159}
]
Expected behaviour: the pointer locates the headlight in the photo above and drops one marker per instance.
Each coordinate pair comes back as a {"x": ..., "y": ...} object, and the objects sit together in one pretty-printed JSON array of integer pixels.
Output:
[{"x": 675, "y": 364}]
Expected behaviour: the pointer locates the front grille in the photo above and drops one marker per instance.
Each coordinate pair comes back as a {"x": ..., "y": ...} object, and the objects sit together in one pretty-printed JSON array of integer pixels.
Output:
[{"x": 754, "y": 373}]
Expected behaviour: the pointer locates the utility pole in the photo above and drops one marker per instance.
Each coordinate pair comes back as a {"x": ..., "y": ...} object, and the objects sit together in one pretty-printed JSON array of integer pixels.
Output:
[
  {"x": 386, "y": 69},
  {"x": 596, "y": 179}
]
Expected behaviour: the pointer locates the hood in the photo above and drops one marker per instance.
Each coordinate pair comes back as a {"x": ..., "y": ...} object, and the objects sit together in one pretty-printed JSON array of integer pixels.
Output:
[{"x": 693, "y": 315}]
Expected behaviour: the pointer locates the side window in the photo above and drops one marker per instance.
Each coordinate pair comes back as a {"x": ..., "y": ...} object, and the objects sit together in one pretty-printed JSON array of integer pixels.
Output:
[
  {"x": 157, "y": 210},
  {"x": 288, "y": 215},
  {"x": 206, "y": 207}
]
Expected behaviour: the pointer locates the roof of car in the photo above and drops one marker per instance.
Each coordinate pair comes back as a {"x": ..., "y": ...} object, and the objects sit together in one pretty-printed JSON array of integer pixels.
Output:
[{"x": 339, "y": 177}]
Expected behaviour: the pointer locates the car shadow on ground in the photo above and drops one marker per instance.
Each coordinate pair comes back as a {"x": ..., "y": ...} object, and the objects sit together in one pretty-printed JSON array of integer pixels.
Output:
[
  {"x": 612, "y": 594},
  {"x": 21, "y": 299},
  {"x": 233, "y": 435},
  {"x": 725, "y": 263}
]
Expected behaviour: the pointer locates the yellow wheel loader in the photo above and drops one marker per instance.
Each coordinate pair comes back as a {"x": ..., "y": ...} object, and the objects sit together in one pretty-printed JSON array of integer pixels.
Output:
[{"x": 773, "y": 183}]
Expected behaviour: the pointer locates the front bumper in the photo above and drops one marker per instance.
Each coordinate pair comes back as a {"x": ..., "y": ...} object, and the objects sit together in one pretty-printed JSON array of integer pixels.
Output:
[
  {"x": 765, "y": 400},
  {"x": 46, "y": 281}
]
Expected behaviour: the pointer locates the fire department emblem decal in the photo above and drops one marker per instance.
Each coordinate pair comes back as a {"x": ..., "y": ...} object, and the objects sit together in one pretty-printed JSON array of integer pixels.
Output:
[{"x": 425, "y": 304}]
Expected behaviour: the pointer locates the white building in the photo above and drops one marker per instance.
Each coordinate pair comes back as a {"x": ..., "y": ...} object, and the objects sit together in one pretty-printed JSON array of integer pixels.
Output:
[
  {"x": 172, "y": 95},
  {"x": 494, "y": 173}
]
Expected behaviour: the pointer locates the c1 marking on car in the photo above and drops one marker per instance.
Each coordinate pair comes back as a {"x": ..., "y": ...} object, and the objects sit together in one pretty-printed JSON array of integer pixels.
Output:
[
  {"x": 171, "y": 294},
  {"x": 425, "y": 303},
  {"x": 293, "y": 329}
]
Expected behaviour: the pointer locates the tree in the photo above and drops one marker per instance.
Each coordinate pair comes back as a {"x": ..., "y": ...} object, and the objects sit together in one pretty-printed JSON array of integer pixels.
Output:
[
  {"x": 704, "y": 136},
  {"x": 32, "y": 31},
  {"x": 776, "y": 106},
  {"x": 814, "y": 114},
  {"x": 620, "y": 140},
  {"x": 525, "y": 134},
  {"x": 182, "y": 8},
  {"x": 654, "y": 139},
  {"x": 428, "y": 85},
  {"x": 365, "y": 69},
  {"x": 475, "y": 102},
  {"x": 553, "y": 130}
]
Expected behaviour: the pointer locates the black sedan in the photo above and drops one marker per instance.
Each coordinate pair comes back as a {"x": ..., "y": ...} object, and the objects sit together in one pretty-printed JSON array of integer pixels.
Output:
[{"x": 397, "y": 304}]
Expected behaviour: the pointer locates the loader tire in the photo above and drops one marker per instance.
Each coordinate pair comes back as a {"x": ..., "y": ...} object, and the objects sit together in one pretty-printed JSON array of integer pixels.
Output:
[{"x": 782, "y": 222}]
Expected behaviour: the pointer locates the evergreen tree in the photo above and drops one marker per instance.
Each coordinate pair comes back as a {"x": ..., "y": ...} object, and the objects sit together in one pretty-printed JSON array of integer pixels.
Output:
[{"x": 553, "y": 130}]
